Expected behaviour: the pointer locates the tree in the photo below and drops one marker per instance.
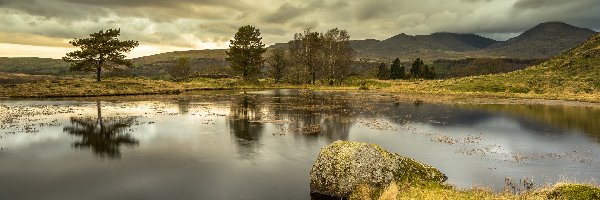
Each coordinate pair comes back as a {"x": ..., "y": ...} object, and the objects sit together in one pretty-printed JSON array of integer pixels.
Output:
[
  {"x": 383, "y": 72},
  {"x": 430, "y": 73},
  {"x": 397, "y": 70},
  {"x": 101, "y": 50},
  {"x": 338, "y": 54},
  {"x": 245, "y": 51},
  {"x": 181, "y": 69},
  {"x": 307, "y": 54},
  {"x": 415, "y": 69},
  {"x": 278, "y": 62}
]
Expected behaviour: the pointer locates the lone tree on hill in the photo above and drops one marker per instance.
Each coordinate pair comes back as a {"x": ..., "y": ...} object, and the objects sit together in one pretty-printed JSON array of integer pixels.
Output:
[
  {"x": 245, "y": 51},
  {"x": 101, "y": 50},
  {"x": 397, "y": 70}
]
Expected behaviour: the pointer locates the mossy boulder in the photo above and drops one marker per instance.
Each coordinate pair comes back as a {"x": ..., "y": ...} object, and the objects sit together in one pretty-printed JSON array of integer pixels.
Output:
[{"x": 342, "y": 166}]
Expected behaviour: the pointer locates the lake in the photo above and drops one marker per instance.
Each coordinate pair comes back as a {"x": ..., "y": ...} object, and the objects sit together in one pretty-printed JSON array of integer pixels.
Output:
[{"x": 262, "y": 144}]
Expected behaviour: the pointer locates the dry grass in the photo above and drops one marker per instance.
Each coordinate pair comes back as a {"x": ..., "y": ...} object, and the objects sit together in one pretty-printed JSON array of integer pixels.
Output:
[{"x": 434, "y": 191}]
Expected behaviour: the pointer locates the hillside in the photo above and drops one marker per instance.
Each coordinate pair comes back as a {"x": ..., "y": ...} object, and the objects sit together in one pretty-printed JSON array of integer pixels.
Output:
[
  {"x": 542, "y": 41},
  {"x": 209, "y": 53},
  {"x": 574, "y": 72},
  {"x": 43, "y": 66},
  {"x": 209, "y": 61}
]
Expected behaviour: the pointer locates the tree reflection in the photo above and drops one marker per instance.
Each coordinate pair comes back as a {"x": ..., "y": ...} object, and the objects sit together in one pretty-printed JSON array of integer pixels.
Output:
[
  {"x": 183, "y": 106},
  {"x": 243, "y": 117},
  {"x": 104, "y": 136},
  {"x": 318, "y": 115}
]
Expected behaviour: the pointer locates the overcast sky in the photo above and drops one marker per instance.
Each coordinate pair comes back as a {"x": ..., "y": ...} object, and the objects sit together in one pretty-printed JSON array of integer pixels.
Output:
[{"x": 42, "y": 28}]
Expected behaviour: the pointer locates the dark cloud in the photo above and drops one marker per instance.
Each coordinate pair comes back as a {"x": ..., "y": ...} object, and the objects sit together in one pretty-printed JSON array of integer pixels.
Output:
[
  {"x": 289, "y": 11},
  {"x": 187, "y": 23},
  {"x": 285, "y": 13},
  {"x": 532, "y": 4},
  {"x": 159, "y": 3},
  {"x": 374, "y": 9}
]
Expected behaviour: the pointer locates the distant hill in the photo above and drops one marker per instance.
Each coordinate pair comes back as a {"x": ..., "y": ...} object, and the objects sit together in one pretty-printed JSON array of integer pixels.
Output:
[
  {"x": 39, "y": 66},
  {"x": 206, "y": 61},
  {"x": 433, "y": 46},
  {"x": 573, "y": 72},
  {"x": 208, "y": 53},
  {"x": 406, "y": 44},
  {"x": 544, "y": 40}
]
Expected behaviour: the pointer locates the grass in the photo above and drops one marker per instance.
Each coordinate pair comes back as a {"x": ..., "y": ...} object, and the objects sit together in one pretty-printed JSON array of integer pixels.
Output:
[
  {"x": 435, "y": 191},
  {"x": 30, "y": 86}
]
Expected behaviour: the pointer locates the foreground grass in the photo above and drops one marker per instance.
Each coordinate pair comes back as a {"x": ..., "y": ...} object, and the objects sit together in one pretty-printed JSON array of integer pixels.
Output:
[{"x": 435, "y": 191}]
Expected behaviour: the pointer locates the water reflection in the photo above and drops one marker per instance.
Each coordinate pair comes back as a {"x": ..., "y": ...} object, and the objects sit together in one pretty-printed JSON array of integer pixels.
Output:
[
  {"x": 183, "y": 106},
  {"x": 104, "y": 135},
  {"x": 473, "y": 144},
  {"x": 584, "y": 119},
  {"x": 244, "y": 117}
]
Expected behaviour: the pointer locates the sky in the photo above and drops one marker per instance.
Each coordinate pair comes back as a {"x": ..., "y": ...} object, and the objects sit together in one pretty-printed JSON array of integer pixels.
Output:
[{"x": 43, "y": 28}]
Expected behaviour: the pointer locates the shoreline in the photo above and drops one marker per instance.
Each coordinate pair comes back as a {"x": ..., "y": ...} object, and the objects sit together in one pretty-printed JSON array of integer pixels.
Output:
[{"x": 131, "y": 87}]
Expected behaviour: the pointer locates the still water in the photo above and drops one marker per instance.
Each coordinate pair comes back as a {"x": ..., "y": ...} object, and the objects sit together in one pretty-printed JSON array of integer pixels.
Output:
[{"x": 261, "y": 144}]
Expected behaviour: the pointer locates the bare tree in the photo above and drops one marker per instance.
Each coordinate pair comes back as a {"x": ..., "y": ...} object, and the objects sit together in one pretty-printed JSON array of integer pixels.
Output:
[
  {"x": 307, "y": 52},
  {"x": 338, "y": 54}
]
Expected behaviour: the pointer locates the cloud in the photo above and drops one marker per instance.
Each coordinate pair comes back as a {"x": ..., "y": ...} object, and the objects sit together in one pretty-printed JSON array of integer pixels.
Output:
[{"x": 188, "y": 24}]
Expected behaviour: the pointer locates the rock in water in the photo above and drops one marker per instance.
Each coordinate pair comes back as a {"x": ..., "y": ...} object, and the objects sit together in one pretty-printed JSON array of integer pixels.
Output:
[{"x": 343, "y": 165}]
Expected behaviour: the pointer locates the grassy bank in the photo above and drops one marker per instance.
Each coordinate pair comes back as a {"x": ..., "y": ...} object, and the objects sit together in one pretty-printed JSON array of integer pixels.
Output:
[
  {"x": 27, "y": 86},
  {"x": 30, "y": 86},
  {"x": 435, "y": 191}
]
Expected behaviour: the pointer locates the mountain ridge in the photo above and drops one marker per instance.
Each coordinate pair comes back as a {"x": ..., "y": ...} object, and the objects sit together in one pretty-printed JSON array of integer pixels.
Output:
[{"x": 532, "y": 43}]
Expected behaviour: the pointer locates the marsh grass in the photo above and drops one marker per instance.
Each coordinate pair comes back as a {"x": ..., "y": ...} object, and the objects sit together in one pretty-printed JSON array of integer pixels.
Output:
[{"x": 435, "y": 191}]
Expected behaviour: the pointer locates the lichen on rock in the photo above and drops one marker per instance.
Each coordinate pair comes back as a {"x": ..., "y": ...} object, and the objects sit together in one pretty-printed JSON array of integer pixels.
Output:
[{"x": 342, "y": 166}]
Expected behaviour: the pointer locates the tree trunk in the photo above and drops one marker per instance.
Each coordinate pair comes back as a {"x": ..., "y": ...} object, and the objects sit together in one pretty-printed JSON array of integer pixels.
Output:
[{"x": 99, "y": 70}]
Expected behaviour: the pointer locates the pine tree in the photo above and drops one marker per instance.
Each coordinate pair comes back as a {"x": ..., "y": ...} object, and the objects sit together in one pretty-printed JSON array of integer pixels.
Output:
[
  {"x": 383, "y": 72},
  {"x": 397, "y": 70},
  {"x": 245, "y": 52},
  {"x": 416, "y": 68},
  {"x": 102, "y": 50}
]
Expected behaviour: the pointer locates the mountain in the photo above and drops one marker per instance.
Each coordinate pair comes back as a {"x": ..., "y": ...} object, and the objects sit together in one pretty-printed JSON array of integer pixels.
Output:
[
  {"x": 572, "y": 73},
  {"x": 433, "y": 46},
  {"x": 542, "y": 41},
  {"x": 403, "y": 44}
]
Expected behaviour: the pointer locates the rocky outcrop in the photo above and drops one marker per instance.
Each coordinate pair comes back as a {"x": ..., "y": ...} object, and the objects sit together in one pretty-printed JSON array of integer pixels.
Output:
[{"x": 342, "y": 166}]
